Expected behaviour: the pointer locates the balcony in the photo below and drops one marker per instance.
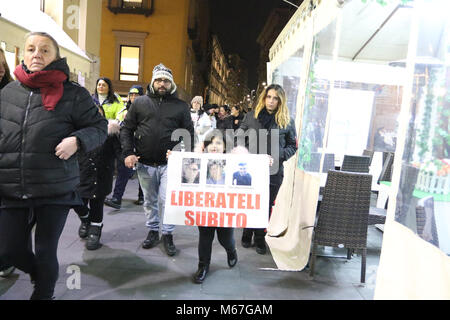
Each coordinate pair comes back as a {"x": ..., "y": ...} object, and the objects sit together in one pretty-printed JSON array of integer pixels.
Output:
[{"x": 144, "y": 7}]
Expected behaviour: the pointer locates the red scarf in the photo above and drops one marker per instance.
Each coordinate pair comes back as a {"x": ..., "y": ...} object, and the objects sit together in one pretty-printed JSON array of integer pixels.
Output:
[{"x": 50, "y": 83}]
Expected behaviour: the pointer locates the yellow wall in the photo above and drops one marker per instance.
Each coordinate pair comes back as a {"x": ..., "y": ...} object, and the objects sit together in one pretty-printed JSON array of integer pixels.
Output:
[
  {"x": 14, "y": 36},
  {"x": 166, "y": 42}
]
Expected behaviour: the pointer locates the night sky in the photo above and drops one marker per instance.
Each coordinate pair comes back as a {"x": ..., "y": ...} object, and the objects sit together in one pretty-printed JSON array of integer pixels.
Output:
[{"x": 239, "y": 22}]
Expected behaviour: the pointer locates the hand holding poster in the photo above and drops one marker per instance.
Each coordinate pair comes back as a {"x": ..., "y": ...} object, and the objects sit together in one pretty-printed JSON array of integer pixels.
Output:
[{"x": 217, "y": 190}]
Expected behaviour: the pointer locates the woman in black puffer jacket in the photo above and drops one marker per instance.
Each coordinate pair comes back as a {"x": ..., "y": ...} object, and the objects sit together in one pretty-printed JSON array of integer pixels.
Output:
[
  {"x": 44, "y": 120},
  {"x": 96, "y": 179},
  {"x": 271, "y": 120},
  {"x": 5, "y": 78}
]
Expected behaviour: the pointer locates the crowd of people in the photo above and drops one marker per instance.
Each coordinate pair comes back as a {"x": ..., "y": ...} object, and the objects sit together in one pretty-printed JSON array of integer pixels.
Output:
[{"x": 61, "y": 147}]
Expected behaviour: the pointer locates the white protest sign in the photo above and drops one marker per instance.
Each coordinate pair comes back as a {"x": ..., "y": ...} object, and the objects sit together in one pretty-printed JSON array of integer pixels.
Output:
[{"x": 217, "y": 190}]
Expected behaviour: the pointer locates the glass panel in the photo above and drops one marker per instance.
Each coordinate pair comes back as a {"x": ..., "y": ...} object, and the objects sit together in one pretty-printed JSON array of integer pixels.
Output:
[
  {"x": 423, "y": 200},
  {"x": 316, "y": 103},
  {"x": 287, "y": 75},
  {"x": 129, "y": 60},
  {"x": 127, "y": 77},
  {"x": 369, "y": 83}
]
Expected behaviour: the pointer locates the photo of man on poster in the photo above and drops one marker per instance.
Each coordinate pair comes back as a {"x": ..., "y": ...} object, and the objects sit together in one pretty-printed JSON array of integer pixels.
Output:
[{"x": 242, "y": 177}]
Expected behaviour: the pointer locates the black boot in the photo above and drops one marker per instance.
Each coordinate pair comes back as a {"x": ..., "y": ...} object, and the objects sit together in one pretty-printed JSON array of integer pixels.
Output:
[
  {"x": 139, "y": 202},
  {"x": 201, "y": 273},
  {"x": 84, "y": 228},
  {"x": 260, "y": 246},
  {"x": 6, "y": 271},
  {"x": 246, "y": 240},
  {"x": 232, "y": 258},
  {"x": 260, "y": 241},
  {"x": 94, "y": 234},
  {"x": 39, "y": 296},
  {"x": 169, "y": 246},
  {"x": 152, "y": 240},
  {"x": 39, "y": 292},
  {"x": 113, "y": 202}
]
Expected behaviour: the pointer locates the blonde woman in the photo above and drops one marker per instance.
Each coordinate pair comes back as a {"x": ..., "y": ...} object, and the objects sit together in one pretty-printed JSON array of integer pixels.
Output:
[{"x": 272, "y": 116}]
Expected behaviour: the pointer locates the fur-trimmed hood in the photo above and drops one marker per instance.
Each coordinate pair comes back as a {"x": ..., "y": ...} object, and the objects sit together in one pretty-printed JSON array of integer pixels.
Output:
[{"x": 113, "y": 127}]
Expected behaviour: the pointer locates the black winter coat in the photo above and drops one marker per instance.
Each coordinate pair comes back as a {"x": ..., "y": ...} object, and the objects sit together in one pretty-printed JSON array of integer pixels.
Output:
[
  {"x": 149, "y": 124},
  {"x": 97, "y": 167},
  {"x": 286, "y": 148},
  {"x": 225, "y": 123},
  {"x": 239, "y": 119},
  {"x": 29, "y": 134}
]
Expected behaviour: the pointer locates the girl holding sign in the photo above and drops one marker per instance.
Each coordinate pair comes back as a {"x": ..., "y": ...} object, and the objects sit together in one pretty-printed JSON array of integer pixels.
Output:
[{"x": 214, "y": 143}]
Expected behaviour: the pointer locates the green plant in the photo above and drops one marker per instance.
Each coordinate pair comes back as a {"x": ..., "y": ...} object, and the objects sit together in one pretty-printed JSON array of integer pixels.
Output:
[
  {"x": 424, "y": 132},
  {"x": 305, "y": 141},
  {"x": 441, "y": 139}
]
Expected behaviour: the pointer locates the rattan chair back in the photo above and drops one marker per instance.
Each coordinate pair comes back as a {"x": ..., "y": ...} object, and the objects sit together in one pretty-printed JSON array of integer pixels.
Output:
[
  {"x": 355, "y": 163},
  {"x": 343, "y": 215},
  {"x": 386, "y": 171},
  {"x": 426, "y": 222},
  {"x": 368, "y": 153}
]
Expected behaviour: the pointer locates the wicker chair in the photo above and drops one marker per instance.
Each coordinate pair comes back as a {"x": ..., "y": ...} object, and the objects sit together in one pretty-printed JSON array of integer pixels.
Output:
[
  {"x": 404, "y": 206},
  {"x": 368, "y": 153},
  {"x": 343, "y": 215},
  {"x": 328, "y": 162},
  {"x": 386, "y": 171},
  {"x": 355, "y": 163},
  {"x": 314, "y": 164},
  {"x": 377, "y": 216},
  {"x": 425, "y": 217}
]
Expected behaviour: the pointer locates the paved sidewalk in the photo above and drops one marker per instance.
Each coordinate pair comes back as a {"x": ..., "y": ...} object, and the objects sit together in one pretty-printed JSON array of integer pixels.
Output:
[{"x": 122, "y": 270}]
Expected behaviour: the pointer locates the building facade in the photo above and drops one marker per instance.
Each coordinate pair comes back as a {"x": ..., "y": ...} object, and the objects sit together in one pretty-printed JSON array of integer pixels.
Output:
[
  {"x": 275, "y": 23},
  {"x": 239, "y": 81},
  {"x": 23, "y": 16},
  {"x": 228, "y": 77},
  {"x": 81, "y": 21},
  {"x": 138, "y": 35}
]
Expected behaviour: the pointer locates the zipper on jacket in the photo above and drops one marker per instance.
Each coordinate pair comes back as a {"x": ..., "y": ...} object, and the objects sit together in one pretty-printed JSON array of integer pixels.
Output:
[{"x": 22, "y": 178}]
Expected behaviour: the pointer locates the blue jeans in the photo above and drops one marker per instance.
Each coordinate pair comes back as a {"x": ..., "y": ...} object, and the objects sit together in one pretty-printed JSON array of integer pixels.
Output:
[
  {"x": 123, "y": 175},
  {"x": 153, "y": 180}
]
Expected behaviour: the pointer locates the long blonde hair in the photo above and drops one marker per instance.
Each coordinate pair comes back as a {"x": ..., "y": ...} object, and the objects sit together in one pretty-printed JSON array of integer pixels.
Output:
[{"x": 282, "y": 117}]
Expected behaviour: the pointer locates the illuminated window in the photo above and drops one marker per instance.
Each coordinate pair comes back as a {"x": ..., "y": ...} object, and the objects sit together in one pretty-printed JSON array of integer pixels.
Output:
[
  {"x": 132, "y": 4},
  {"x": 129, "y": 63},
  {"x": 144, "y": 7}
]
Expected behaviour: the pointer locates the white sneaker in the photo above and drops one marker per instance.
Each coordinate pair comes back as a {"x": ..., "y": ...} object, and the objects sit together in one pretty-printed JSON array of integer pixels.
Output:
[{"x": 6, "y": 272}]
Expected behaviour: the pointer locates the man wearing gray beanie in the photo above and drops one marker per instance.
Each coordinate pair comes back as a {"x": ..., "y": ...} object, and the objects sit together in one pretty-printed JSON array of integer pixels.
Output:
[{"x": 145, "y": 137}]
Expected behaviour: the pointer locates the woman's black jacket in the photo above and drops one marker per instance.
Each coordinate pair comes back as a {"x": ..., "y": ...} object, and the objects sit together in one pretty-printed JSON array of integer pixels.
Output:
[
  {"x": 29, "y": 168},
  {"x": 287, "y": 143},
  {"x": 97, "y": 166}
]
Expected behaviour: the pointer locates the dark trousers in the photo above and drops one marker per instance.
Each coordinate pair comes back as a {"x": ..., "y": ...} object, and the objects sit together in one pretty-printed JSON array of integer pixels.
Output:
[
  {"x": 225, "y": 237},
  {"x": 261, "y": 233},
  {"x": 3, "y": 265},
  {"x": 93, "y": 208},
  {"x": 123, "y": 175},
  {"x": 16, "y": 244}
]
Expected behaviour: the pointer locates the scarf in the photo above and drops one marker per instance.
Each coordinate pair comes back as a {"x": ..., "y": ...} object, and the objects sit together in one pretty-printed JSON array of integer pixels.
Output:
[
  {"x": 102, "y": 98},
  {"x": 221, "y": 116},
  {"x": 266, "y": 119},
  {"x": 49, "y": 82}
]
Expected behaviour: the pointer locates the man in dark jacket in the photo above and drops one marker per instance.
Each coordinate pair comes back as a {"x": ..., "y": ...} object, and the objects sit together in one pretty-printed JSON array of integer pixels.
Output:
[
  {"x": 146, "y": 135},
  {"x": 123, "y": 173}
]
